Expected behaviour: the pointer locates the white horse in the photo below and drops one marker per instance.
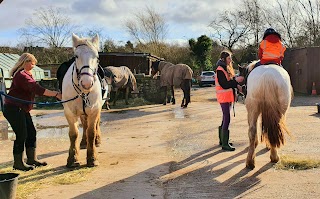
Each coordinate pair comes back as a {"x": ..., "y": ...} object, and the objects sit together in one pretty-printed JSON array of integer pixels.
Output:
[
  {"x": 81, "y": 80},
  {"x": 269, "y": 94}
]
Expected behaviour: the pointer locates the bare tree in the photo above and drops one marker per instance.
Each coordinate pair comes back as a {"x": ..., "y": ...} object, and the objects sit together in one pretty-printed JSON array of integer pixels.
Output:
[
  {"x": 285, "y": 15},
  {"x": 48, "y": 27},
  {"x": 230, "y": 28},
  {"x": 148, "y": 28},
  {"x": 91, "y": 32},
  {"x": 310, "y": 15},
  {"x": 254, "y": 15}
]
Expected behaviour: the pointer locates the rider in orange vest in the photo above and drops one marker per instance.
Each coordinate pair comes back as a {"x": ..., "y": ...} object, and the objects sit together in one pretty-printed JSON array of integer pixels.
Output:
[
  {"x": 271, "y": 49},
  {"x": 226, "y": 82}
]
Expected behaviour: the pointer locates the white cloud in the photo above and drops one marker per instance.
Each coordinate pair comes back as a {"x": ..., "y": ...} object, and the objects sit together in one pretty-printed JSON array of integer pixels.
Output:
[{"x": 186, "y": 19}]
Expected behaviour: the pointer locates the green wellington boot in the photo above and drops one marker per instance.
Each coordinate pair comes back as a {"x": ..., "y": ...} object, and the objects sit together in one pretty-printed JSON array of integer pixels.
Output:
[
  {"x": 32, "y": 158},
  {"x": 19, "y": 163},
  {"x": 225, "y": 141},
  {"x": 220, "y": 137},
  {"x": 220, "y": 140}
]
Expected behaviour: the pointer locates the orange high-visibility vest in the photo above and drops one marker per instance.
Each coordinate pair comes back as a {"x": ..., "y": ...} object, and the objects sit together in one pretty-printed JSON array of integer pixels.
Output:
[
  {"x": 272, "y": 51},
  {"x": 223, "y": 95}
]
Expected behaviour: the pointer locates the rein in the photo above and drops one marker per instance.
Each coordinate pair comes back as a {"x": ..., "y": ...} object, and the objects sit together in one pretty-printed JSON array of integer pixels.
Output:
[{"x": 244, "y": 86}]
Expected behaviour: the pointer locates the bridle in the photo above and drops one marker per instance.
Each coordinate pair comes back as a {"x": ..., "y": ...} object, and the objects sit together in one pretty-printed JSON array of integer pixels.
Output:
[
  {"x": 245, "y": 74},
  {"x": 84, "y": 96}
]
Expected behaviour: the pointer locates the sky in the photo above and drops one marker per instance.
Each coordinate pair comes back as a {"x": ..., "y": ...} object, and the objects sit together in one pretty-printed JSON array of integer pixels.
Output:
[{"x": 186, "y": 19}]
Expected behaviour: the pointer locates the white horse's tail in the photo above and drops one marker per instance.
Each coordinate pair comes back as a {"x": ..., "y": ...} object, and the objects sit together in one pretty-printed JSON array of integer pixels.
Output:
[{"x": 273, "y": 118}]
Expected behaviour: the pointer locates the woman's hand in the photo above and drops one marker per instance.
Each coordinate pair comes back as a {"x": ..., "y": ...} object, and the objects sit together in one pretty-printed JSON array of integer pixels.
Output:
[
  {"x": 58, "y": 96},
  {"x": 239, "y": 79}
]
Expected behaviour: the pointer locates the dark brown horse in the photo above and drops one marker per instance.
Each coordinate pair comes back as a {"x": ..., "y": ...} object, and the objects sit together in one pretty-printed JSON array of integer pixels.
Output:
[{"x": 174, "y": 75}]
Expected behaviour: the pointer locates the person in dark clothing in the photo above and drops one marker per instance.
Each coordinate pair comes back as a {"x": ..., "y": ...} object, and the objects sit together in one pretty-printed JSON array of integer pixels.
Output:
[
  {"x": 62, "y": 70},
  {"x": 18, "y": 114},
  {"x": 226, "y": 83}
]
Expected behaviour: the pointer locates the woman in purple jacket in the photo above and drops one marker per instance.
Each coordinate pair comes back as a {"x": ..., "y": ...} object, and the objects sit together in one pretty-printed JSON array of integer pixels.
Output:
[{"x": 18, "y": 114}]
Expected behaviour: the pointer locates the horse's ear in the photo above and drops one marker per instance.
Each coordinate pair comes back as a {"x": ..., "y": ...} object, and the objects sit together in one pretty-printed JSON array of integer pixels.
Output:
[
  {"x": 75, "y": 40},
  {"x": 95, "y": 41}
]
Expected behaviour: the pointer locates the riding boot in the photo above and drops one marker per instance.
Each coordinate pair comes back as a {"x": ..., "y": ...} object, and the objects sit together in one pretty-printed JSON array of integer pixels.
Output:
[
  {"x": 225, "y": 141},
  {"x": 32, "y": 157},
  {"x": 19, "y": 163},
  {"x": 220, "y": 131},
  {"x": 220, "y": 137}
]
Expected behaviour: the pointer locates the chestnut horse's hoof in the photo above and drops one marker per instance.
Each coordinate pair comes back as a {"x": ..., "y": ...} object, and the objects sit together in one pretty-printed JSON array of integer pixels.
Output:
[
  {"x": 250, "y": 163},
  {"x": 274, "y": 159},
  {"x": 73, "y": 164},
  {"x": 250, "y": 166},
  {"x": 92, "y": 163}
]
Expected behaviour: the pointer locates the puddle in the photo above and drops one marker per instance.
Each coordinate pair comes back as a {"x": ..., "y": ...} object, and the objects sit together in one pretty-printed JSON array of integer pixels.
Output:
[
  {"x": 55, "y": 133},
  {"x": 48, "y": 133},
  {"x": 179, "y": 113}
]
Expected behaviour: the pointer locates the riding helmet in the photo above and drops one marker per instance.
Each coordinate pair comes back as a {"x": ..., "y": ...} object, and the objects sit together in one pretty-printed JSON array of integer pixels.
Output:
[{"x": 271, "y": 31}]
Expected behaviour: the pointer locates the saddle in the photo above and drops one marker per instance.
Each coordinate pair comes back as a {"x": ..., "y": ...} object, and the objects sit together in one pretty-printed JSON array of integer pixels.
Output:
[{"x": 268, "y": 63}]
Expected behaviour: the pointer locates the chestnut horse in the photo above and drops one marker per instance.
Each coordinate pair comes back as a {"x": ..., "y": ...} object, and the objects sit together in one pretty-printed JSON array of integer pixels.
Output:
[
  {"x": 269, "y": 94},
  {"x": 81, "y": 80}
]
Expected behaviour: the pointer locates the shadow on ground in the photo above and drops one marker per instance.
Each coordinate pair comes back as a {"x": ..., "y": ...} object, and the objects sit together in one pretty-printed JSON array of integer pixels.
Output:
[{"x": 194, "y": 177}]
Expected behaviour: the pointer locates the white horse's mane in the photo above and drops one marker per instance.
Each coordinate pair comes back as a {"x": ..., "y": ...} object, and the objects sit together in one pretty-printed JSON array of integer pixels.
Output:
[{"x": 251, "y": 65}]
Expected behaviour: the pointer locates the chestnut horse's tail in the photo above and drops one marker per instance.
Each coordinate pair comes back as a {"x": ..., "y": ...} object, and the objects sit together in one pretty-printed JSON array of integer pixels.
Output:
[{"x": 273, "y": 111}]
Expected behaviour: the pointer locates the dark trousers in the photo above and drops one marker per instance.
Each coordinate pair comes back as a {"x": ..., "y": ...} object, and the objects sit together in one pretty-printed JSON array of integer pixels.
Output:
[
  {"x": 225, "y": 115},
  {"x": 22, "y": 126}
]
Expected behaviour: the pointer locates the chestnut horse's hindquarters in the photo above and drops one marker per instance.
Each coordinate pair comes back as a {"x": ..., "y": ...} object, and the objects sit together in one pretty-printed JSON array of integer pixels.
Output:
[{"x": 269, "y": 95}]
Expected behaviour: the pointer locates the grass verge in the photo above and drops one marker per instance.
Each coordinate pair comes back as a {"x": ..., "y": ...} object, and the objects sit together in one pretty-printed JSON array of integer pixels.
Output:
[
  {"x": 297, "y": 163},
  {"x": 42, "y": 177}
]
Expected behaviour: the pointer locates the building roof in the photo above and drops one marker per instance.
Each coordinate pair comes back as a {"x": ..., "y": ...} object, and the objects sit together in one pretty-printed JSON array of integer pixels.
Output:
[{"x": 8, "y": 60}]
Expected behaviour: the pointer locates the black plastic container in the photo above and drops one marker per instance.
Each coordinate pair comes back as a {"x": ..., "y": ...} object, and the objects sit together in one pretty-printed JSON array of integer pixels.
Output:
[{"x": 8, "y": 185}]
